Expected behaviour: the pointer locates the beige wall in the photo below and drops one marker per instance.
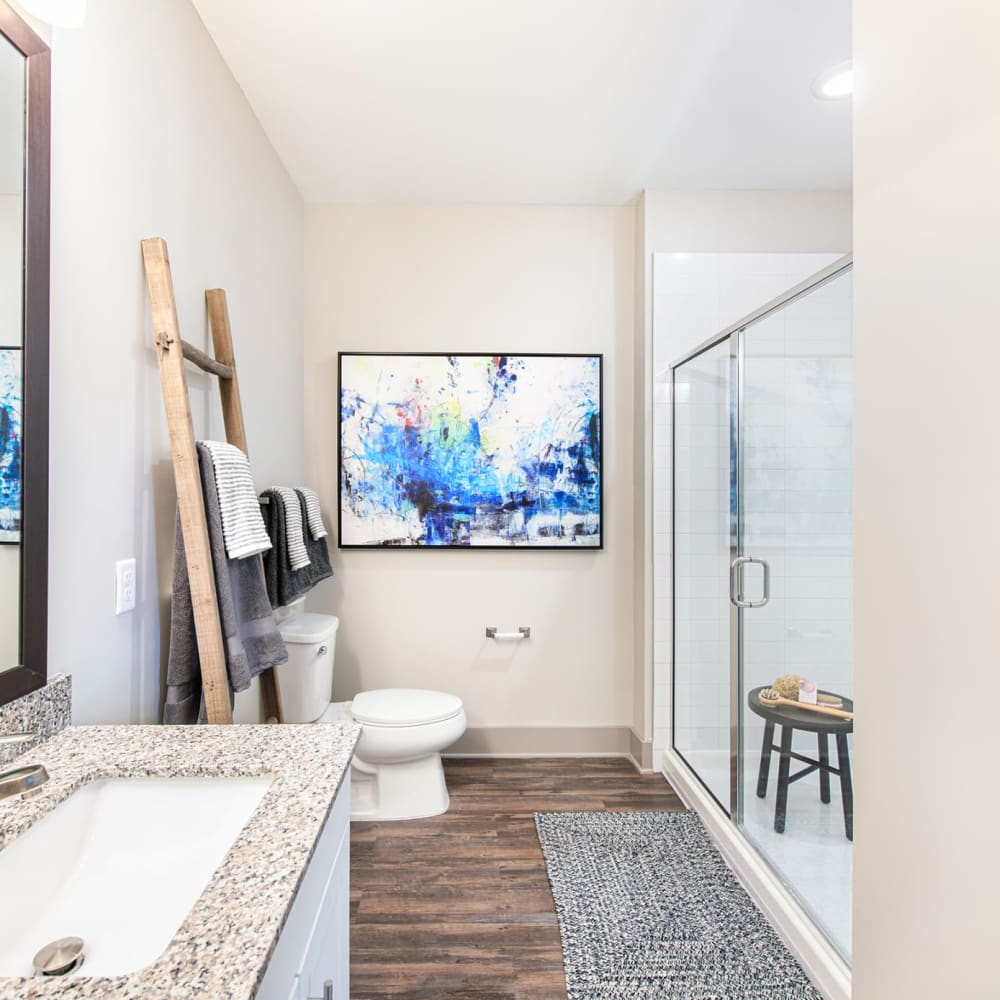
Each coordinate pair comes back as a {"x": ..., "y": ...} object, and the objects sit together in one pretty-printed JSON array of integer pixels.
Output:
[
  {"x": 692, "y": 221},
  {"x": 479, "y": 278},
  {"x": 927, "y": 426},
  {"x": 151, "y": 136}
]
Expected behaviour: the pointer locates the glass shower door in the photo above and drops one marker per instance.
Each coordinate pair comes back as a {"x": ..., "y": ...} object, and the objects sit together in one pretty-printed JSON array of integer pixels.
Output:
[
  {"x": 762, "y": 579},
  {"x": 794, "y": 512},
  {"x": 703, "y": 410}
]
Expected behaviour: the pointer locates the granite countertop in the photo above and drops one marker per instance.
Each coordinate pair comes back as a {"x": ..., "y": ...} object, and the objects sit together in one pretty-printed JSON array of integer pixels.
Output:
[{"x": 221, "y": 950}]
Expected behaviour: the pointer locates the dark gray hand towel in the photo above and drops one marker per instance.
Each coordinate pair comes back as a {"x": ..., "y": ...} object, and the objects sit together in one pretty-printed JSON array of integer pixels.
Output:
[
  {"x": 285, "y": 584},
  {"x": 251, "y": 639}
]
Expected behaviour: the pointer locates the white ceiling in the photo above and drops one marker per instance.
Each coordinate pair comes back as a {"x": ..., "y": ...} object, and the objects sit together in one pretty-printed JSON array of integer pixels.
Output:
[{"x": 540, "y": 101}]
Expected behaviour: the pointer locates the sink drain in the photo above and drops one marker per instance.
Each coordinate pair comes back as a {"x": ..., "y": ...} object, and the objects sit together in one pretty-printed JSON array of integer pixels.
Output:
[{"x": 60, "y": 957}]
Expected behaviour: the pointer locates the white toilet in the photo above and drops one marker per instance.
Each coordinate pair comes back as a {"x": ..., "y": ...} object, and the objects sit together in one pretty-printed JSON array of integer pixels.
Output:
[{"x": 397, "y": 772}]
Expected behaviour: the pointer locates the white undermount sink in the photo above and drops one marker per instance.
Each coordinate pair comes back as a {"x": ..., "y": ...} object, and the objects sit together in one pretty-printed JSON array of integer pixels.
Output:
[{"x": 120, "y": 863}]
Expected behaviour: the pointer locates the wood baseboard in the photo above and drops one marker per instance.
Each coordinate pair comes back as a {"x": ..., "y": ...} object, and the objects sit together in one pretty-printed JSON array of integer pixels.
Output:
[{"x": 641, "y": 752}]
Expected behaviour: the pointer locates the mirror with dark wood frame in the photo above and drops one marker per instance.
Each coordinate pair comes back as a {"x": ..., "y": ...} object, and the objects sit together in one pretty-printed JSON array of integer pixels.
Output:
[{"x": 24, "y": 355}]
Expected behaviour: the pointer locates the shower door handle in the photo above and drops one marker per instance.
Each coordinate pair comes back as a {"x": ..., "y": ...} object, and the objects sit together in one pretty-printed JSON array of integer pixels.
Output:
[{"x": 736, "y": 582}]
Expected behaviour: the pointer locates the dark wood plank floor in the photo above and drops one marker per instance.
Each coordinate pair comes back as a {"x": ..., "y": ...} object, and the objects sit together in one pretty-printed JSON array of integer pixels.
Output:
[{"x": 459, "y": 905}]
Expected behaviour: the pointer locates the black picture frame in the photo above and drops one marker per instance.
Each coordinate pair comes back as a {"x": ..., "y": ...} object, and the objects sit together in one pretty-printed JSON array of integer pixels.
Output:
[{"x": 512, "y": 547}]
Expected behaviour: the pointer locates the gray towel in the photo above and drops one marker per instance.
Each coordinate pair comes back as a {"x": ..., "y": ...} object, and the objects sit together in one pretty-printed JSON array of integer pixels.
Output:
[
  {"x": 284, "y": 584},
  {"x": 251, "y": 640}
]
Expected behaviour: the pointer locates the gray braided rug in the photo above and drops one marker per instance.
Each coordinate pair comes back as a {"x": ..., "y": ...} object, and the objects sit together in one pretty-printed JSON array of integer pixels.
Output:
[{"x": 648, "y": 909}]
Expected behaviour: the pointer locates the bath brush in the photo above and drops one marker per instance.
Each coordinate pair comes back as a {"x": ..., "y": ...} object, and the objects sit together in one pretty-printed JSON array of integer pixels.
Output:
[{"x": 771, "y": 698}]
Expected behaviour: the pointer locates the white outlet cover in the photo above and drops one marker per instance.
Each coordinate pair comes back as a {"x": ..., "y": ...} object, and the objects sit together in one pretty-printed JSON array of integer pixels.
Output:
[{"x": 124, "y": 586}]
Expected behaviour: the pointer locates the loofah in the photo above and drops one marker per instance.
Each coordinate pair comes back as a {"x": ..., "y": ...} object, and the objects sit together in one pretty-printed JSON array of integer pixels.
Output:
[{"x": 787, "y": 686}]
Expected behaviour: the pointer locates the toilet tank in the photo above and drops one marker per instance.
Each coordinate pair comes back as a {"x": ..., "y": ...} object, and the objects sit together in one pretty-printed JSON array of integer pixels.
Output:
[{"x": 305, "y": 682}]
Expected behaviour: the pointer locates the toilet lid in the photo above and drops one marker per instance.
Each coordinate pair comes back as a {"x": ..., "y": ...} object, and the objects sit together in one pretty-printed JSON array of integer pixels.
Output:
[{"x": 404, "y": 707}]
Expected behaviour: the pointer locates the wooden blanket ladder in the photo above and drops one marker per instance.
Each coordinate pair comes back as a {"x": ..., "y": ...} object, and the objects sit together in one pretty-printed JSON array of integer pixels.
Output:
[{"x": 171, "y": 351}]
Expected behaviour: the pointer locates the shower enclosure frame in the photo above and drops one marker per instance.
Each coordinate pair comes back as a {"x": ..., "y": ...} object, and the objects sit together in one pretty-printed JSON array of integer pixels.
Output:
[{"x": 762, "y": 879}]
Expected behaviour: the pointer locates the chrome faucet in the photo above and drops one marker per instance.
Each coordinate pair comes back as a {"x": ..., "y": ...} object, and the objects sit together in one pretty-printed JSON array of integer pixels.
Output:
[
  {"x": 23, "y": 781},
  {"x": 9, "y": 738}
]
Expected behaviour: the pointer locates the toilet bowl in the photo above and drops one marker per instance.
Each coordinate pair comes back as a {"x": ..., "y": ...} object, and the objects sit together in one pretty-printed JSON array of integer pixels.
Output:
[{"x": 396, "y": 772}]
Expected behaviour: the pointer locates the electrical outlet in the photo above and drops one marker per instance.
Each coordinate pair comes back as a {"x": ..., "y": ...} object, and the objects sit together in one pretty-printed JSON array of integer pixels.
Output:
[{"x": 124, "y": 586}]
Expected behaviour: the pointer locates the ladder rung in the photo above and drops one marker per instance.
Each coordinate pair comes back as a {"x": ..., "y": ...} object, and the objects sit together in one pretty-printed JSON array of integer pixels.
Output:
[{"x": 204, "y": 362}]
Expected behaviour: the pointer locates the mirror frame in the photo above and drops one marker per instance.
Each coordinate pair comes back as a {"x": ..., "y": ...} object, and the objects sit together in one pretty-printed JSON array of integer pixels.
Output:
[{"x": 32, "y": 673}]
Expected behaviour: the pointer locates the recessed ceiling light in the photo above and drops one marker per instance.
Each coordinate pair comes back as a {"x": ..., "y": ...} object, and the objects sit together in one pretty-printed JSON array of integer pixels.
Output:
[{"x": 835, "y": 83}]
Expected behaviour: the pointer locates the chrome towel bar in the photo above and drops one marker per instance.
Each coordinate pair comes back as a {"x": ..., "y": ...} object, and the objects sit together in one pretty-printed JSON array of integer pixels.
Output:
[{"x": 524, "y": 632}]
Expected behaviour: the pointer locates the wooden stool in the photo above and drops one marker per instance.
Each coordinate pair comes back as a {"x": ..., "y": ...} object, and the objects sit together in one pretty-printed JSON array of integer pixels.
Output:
[{"x": 791, "y": 719}]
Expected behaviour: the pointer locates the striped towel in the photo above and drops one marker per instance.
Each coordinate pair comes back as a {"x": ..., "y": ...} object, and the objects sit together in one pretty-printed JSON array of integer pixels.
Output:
[
  {"x": 242, "y": 525},
  {"x": 295, "y": 538},
  {"x": 313, "y": 514}
]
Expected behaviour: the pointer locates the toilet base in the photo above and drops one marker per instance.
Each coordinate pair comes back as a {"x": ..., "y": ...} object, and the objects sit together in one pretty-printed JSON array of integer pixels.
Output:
[{"x": 413, "y": 789}]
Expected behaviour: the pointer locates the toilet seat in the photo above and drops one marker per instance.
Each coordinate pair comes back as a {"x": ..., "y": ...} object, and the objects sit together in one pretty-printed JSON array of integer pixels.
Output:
[{"x": 392, "y": 707}]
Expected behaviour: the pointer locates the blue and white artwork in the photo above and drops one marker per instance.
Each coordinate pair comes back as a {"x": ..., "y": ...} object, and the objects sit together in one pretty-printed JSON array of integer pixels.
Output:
[
  {"x": 11, "y": 396},
  {"x": 470, "y": 450}
]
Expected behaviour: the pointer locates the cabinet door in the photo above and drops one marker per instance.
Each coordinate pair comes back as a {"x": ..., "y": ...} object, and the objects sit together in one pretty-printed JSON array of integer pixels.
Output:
[
  {"x": 328, "y": 958},
  {"x": 313, "y": 946}
]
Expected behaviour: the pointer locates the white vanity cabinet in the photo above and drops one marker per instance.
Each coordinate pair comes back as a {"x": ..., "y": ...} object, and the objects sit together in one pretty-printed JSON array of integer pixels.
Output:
[{"x": 311, "y": 959}]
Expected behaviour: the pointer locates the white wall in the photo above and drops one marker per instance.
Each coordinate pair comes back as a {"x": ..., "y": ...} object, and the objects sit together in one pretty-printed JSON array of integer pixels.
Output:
[
  {"x": 480, "y": 278},
  {"x": 927, "y": 357},
  {"x": 686, "y": 221},
  {"x": 151, "y": 136}
]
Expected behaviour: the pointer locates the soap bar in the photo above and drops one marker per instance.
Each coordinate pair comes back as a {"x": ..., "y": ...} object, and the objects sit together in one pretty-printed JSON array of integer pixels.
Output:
[{"x": 807, "y": 692}]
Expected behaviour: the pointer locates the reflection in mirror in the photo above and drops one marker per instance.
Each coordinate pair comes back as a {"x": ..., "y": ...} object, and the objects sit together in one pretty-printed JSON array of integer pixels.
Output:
[
  {"x": 12, "y": 142},
  {"x": 25, "y": 104}
]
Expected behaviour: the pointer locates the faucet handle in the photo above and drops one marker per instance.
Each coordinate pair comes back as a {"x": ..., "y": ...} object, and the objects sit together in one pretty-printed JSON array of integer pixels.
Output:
[{"x": 6, "y": 739}]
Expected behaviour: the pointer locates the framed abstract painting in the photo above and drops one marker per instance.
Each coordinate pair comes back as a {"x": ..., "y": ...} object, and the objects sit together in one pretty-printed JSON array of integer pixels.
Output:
[{"x": 470, "y": 451}]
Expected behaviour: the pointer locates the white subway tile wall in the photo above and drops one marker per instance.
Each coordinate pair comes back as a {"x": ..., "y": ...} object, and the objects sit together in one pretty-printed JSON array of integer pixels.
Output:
[
  {"x": 798, "y": 457},
  {"x": 797, "y": 416}
]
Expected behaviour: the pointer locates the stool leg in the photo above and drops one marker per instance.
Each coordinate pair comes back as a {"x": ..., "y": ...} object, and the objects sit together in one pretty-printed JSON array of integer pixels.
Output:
[
  {"x": 824, "y": 775},
  {"x": 846, "y": 788},
  {"x": 783, "y": 768},
  {"x": 765, "y": 760}
]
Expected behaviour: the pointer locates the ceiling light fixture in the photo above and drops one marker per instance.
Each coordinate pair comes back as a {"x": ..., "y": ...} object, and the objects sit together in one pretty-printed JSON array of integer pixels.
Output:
[
  {"x": 58, "y": 13},
  {"x": 835, "y": 83}
]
